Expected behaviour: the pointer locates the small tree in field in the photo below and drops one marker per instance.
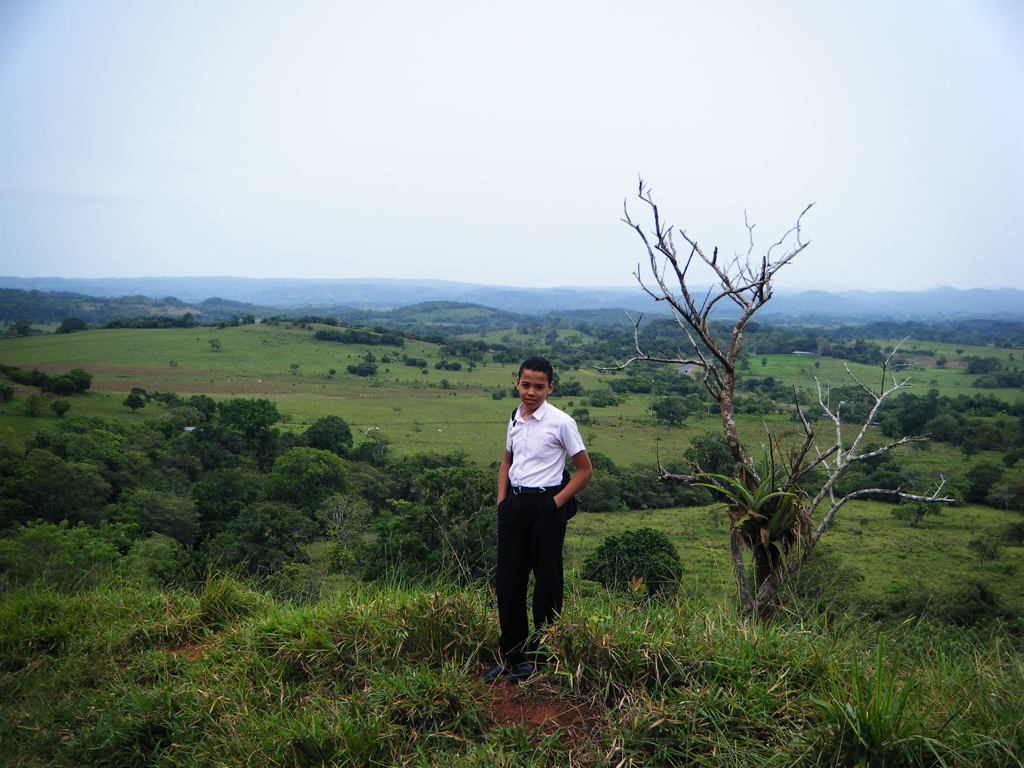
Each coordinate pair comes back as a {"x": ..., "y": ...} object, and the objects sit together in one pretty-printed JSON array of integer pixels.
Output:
[
  {"x": 134, "y": 401},
  {"x": 643, "y": 556},
  {"x": 772, "y": 512},
  {"x": 33, "y": 405}
]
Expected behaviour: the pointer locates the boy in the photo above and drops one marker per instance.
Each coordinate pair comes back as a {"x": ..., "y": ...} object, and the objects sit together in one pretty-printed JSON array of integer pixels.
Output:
[{"x": 532, "y": 513}]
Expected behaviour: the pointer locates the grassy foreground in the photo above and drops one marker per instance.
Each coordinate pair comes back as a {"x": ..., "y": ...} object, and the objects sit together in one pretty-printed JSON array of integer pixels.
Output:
[{"x": 227, "y": 676}]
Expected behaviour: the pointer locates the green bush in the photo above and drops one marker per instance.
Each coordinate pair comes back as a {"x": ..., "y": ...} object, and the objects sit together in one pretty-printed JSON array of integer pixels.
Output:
[
  {"x": 43, "y": 486},
  {"x": 710, "y": 452},
  {"x": 985, "y": 548},
  {"x": 671, "y": 410},
  {"x": 158, "y": 512},
  {"x": 330, "y": 433},
  {"x": 973, "y": 603},
  {"x": 363, "y": 369},
  {"x": 263, "y": 537},
  {"x": 602, "y": 494},
  {"x": 914, "y": 512},
  {"x": 1013, "y": 534},
  {"x": 33, "y": 405},
  {"x": 448, "y": 531},
  {"x": 643, "y": 555},
  {"x": 305, "y": 477},
  {"x": 348, "y": 521},
  {"x": 156, "y": 560},
  {"x": 59, "y": 555},
  {"x": 604, "y": 399}
]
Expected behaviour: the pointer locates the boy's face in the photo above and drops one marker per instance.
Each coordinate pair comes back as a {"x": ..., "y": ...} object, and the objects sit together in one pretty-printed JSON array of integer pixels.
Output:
[{"x": 534, "y": 388}]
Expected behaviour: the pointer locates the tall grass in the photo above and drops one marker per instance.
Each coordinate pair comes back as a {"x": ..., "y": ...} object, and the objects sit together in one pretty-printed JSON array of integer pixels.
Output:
[
  {"x": 874, "y": 721},
  {"x": 227, "y": 675}
]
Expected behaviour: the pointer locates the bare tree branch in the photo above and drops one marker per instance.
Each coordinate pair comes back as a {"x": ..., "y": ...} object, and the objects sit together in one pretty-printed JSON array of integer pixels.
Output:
[{"x": 747, "y": 282}]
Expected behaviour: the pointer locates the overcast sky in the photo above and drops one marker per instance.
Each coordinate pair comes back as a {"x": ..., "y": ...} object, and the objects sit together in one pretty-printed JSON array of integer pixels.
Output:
[{"x": 495, "y": 142}]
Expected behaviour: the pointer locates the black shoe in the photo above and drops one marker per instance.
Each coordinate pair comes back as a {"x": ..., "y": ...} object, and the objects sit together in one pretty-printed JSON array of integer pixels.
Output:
[
  {"x": 494, "y": 673},
  {"x": 521, "y": 672}
]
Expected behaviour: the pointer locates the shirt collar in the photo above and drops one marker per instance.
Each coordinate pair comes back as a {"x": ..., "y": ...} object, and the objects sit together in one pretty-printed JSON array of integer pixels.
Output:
[{"x": 539, "y": 413}]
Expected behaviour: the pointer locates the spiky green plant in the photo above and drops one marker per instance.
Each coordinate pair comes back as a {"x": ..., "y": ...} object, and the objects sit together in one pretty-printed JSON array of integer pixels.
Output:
[
  {"x": 770, "y": 515},
  {"x": 877, "y": 722}
]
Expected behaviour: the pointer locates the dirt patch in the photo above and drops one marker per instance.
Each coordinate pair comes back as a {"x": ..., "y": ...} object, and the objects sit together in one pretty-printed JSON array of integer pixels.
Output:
[
  {"x": 20, "y": 391},
  {"x": 194, "y": 650},
  {"x": 191, "y": 651},
  {"x": 543, "y": 709},
  {"x": 111, "y": 370}
]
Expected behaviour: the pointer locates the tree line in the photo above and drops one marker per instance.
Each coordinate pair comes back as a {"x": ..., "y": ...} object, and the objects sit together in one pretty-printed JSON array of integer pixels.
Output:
[{"x": 217, "y": 484}]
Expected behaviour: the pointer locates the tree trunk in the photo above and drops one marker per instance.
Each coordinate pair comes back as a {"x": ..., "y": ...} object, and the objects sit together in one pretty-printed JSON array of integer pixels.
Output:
[
  {"x": 762, "y": 563},
  {"x": 739, "y": 572},
  {"x": 727, "y": 409}
]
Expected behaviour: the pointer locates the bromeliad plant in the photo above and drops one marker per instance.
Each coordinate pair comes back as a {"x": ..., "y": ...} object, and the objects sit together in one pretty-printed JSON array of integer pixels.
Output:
[{"x": 769, "y": 518}]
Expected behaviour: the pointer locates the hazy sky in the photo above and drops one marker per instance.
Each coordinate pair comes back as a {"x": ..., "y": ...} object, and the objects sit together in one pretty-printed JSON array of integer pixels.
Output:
[{"x": 494, "y": 142}]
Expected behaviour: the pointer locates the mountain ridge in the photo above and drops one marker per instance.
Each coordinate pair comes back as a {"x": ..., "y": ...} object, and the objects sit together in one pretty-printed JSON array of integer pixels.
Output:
[{"x": 942, "y": 302}]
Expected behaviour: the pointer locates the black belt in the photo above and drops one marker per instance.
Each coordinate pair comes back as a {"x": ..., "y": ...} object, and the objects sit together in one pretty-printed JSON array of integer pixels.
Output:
[{"x": 520, "y": 489}]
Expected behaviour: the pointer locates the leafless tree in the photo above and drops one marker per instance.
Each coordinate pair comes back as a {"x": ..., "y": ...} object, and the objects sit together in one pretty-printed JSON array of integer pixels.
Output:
[{"x": 771, "y": 512}]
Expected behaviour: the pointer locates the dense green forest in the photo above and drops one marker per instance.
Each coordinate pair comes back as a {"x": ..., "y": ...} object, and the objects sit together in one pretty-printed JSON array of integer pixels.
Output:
[{"x": 196, "y": 513}]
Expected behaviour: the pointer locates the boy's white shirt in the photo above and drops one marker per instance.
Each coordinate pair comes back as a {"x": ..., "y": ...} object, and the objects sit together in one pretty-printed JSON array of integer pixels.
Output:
[{"x": 539, "y": 444}]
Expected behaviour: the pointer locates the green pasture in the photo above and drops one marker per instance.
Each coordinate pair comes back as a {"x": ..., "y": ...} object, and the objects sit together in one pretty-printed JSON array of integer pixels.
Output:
[
  {"x": 954, "y": 353},
  {"x": 437, "y": 410},
  {"x": 248, "y": 360},
  {"x": 921, "y": 372},
  {"x": 448, "y": 421},
  {"x": 515, "y": 336},
  {"x": 104, "y": 405},
  {"x": 887, "y": 552},
  {"x": 401, "y": 403},
  {"x": 259, "y": 359}
]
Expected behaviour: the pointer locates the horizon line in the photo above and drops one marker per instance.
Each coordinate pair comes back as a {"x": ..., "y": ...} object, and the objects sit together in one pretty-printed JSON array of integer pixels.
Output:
[{"x": 806, "y": 287}]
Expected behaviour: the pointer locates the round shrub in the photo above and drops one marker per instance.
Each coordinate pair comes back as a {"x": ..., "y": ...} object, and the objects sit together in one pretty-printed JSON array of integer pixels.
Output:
[{"x": 643, "y": 554}]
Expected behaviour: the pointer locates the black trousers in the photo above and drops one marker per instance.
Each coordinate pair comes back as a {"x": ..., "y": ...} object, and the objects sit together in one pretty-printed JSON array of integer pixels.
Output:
[{"x": 531, "y": 531}]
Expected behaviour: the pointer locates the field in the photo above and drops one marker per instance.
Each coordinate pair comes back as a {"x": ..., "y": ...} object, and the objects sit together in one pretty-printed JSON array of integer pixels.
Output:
[
  {"x": 445, "y": 412},
  {"x": 433, "y": 410},
  {"x": 408, "y": 407},
  {"x": 921, "y": 370},
  {"x": 886, "y": 553},
  {"x": 309, "y": 667}
]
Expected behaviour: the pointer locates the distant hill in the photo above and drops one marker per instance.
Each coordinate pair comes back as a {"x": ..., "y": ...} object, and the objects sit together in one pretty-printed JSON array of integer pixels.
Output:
[
  {"x": 269, "y": 292},
  {"x": 261, "y": 295},
  {"x": 936, "y": 304},
  {"x": 43, "y": 307}
]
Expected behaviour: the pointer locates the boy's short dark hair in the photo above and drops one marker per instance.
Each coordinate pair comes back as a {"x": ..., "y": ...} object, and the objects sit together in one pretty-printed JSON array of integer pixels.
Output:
[{"x": 537, "y": 363}]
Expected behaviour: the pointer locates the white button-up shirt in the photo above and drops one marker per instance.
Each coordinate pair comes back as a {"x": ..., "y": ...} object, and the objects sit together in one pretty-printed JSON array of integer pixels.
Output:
[{"x": 539, "y": 444}]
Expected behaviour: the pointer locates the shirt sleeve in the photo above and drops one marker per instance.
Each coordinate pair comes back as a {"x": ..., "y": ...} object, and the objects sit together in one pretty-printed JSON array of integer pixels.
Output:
[{"x": 571, "y": 439}]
